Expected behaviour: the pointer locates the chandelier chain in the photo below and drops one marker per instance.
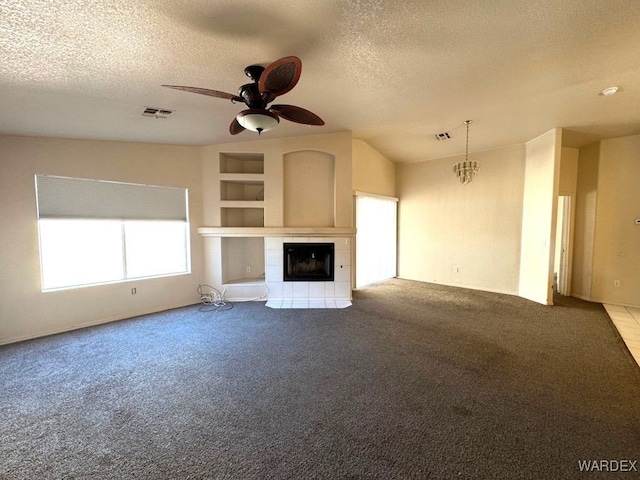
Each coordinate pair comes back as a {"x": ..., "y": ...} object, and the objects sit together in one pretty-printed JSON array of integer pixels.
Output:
[{"x": 466, "y": 152}]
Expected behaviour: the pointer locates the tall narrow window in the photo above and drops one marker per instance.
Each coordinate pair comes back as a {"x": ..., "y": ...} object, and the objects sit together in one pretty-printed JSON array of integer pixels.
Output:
[
  {"x": 94, "y": 231},
  {"x": 375, "y": 238}
]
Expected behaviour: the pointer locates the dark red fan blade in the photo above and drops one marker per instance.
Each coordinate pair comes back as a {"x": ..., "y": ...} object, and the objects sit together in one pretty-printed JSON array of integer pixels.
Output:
[
  {"x": 205, "y": 91},
  {"x": 235, "y": 128},
  {"x": 296, "y": 114},
  {"x": 281, "y": 76}
]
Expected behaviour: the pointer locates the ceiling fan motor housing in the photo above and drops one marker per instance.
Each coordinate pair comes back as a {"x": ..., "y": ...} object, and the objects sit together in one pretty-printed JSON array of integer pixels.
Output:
[
  {"x": 252, "y": 97},
  {"x": 254, "y": 72}
]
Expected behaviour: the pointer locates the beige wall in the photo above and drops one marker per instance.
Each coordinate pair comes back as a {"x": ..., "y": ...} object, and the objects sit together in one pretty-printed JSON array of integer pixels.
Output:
[
  {"x": 567, "y": 188},
  {"x": 616, "y": 247},
  {"x": 372, "y": 172},
  {"x": 25, "y": 311},
  {"x": 309, "y": 189},
  {"x": 585, "y": 224},
  {"x": 607, "y": 241},
  {"x": 475, "y": 227},
  {"x": 539, "y": 213},
  {"x": 568, "y": 171}
]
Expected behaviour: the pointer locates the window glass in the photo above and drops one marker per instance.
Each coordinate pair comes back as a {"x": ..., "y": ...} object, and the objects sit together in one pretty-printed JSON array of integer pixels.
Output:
[
  {"x": 155, "y": 248},
  {"x": 80, "y": 252},
  {"x": 376, "y": 220},
  {"x": 77, "y": 252}
]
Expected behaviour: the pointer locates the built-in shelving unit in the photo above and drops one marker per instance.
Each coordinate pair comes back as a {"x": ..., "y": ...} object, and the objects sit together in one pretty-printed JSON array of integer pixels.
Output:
[
  {"x": 242, "y": 183},
  {"x": 241, "y": 180}
]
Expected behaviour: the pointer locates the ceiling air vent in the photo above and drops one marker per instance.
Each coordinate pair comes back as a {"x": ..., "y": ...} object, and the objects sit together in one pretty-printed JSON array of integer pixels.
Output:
[
  {"x": 443, "y": 136},
  {"x": 156, "y": 112}
]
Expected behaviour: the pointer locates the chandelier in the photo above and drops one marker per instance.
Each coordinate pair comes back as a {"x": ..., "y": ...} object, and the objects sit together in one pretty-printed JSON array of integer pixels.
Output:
[{"x": 466, "y": 170}]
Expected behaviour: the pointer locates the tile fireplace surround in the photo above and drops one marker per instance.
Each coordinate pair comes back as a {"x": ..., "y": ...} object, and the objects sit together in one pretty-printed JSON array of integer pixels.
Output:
[
  {"x": 313, "y": 294},
  {"x": 336, "y": 294}
]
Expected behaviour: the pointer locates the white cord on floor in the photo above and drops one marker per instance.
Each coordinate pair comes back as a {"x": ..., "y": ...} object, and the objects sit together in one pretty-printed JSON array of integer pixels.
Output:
[{"x": 213, "y": 297}]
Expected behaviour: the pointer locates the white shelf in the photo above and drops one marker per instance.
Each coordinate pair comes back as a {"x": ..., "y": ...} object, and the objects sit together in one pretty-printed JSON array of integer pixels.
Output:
[
  {"x": 247, "y": 178},
  {"x": 277, "y": 231},
  {"x": 242, "y": 203}
]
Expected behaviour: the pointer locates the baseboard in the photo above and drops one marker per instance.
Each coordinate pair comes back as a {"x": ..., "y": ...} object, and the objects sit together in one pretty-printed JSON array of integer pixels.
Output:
[
  {"x": 583, "y": 297},
  {"x": 608, "y": 302},
  {"x": 469, "y": 287},
  {"x": 92, "y": 323},
  {"x": 243, "y": 299}
]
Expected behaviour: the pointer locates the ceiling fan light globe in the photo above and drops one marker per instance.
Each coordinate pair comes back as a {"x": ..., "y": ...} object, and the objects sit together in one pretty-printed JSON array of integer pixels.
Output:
[{"x": 257, "y": 120}]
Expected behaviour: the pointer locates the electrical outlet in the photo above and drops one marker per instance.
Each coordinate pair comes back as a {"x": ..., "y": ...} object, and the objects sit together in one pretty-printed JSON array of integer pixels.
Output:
[
  {"x": 616, "y": 283},
  {"x": 133, "y": 291}
]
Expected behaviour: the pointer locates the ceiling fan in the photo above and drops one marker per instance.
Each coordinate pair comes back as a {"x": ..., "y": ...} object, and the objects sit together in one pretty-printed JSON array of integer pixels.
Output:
[{"x": 268, "y": 83}]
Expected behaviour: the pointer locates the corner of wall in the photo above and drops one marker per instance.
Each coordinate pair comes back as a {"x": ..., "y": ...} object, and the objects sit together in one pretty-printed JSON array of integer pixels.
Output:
[
  {"x": 539, "y": 212},
  {"x": 372, "y": 171}
]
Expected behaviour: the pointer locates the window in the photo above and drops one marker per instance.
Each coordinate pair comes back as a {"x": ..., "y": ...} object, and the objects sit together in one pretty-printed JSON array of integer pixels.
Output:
[
  {"x": 80, "y": 252},
  {"x": 94, "y": 232},
  {"x": 376, "y": 219},
  {"x": 155, "y": 248}
]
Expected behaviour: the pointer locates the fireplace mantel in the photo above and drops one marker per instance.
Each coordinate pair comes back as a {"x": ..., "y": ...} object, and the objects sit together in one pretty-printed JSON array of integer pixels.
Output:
[{"x": 277, "y": 231}]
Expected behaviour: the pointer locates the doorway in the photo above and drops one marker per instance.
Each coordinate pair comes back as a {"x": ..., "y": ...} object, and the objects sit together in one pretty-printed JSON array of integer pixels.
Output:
[
  {"x": 376, "y": 238},
  {"x": 563, "y": 252}
]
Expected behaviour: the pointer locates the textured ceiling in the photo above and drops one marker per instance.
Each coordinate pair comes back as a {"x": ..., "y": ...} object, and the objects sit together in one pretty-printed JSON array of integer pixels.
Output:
[{"x": 393, "y": 72}]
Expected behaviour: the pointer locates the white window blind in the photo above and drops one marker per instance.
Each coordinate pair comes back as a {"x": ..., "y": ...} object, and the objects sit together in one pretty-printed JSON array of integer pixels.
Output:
[
  {"x": 94, "y": 232},
  {"x": 376, "y": 242},
  {"x": 63, "y": 197}
]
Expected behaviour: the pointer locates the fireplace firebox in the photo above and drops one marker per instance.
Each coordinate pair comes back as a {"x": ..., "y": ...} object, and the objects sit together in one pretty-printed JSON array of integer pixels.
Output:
[{"x": 308, "y": 262}]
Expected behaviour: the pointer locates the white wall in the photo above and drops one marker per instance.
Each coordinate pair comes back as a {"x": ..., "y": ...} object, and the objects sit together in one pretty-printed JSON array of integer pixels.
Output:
[
  {"x": 25, "y": 311},
  {"x": 474, "y": 227},
  {"x": 539, "y": 214}
]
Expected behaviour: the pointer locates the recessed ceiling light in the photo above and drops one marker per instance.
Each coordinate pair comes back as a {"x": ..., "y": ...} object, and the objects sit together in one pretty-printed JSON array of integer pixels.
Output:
[{"x": 607, "y": 92}]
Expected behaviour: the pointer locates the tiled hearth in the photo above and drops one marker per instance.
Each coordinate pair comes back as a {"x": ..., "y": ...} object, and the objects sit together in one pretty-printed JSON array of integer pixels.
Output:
[
  {"x": 627, "y": 322},
  {"x": 336, "y": 294}
]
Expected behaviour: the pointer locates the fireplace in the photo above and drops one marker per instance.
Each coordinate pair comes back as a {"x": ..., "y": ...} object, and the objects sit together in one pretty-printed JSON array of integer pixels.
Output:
[{"x": 308, "y": 262}]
